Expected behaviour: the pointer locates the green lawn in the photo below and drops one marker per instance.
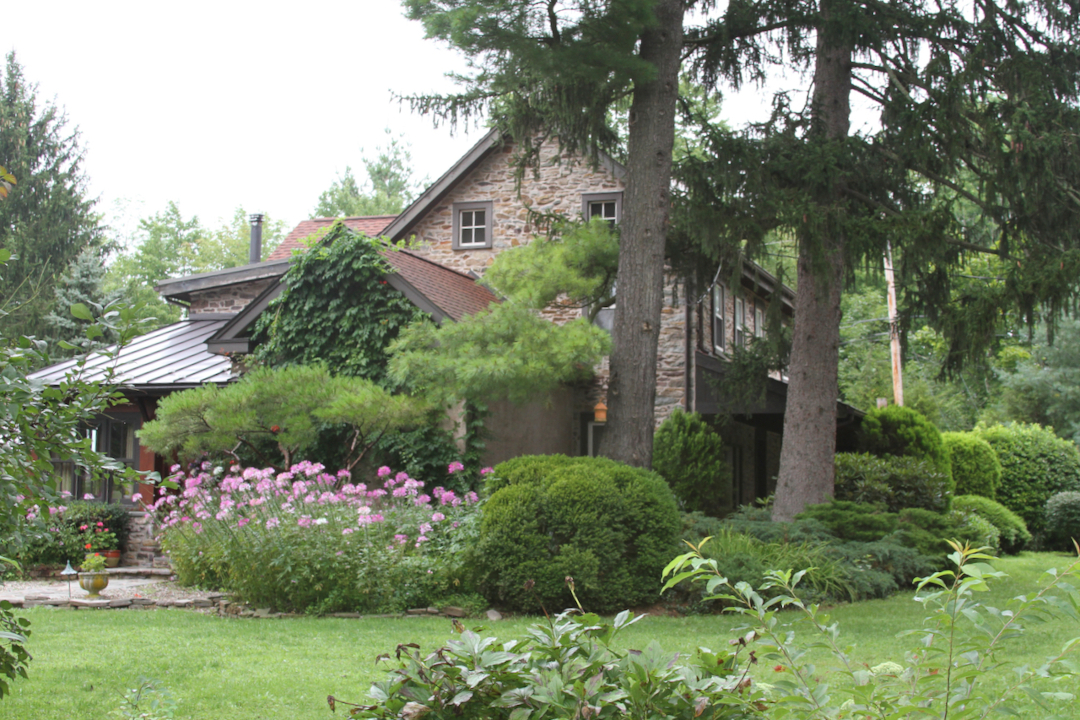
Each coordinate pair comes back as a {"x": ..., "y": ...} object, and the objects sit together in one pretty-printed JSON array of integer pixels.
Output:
[{"x": 233, "y": 669}]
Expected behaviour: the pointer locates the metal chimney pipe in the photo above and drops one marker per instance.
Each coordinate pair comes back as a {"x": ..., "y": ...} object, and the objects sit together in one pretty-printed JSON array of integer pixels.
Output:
[{"x": 256, "y": 238}]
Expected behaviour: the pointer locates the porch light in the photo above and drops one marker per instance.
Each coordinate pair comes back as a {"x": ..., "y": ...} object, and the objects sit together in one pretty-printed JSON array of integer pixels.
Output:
[{"x": 600, "y": 412}]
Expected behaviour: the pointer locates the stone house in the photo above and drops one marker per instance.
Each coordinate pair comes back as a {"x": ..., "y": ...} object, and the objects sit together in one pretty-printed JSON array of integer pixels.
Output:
[{"x": 454, "y": 231}]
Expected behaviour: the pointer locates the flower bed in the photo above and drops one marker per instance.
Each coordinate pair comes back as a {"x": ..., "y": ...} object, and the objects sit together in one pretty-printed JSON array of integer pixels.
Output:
[{"x": 309, "y": 541}]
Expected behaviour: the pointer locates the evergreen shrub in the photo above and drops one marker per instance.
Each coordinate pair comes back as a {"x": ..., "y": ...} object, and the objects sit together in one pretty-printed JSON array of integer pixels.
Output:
[
  {"x": 859, "y": 522},
  {"x": 1063, "y": 519},
  {"x": 1011, "y": 528},
  {"x": 975, "y": 466},
  {"x": 691, "y": 456},
  {"x": 895, "y": 482},
  {"x": 903, "y": 432},
  {"x": 609, "y": 526},
  {"x": 1035, "y": 465}
]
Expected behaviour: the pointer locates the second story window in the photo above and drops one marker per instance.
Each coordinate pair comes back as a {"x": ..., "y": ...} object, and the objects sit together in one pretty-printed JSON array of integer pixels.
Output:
[
  {"x": 718, "y": 325},
  {"x": 472, "y": 225},
  {"x": 759, "y": 321},
  {"x": 739, "y": 324},
  {"x": 606, "y": 206}
]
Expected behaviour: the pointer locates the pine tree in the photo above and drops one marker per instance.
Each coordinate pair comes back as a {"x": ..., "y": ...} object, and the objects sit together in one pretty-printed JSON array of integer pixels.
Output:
[
  {"x": 553, "y": 72},
  {"x": 389, "y": 189},
  {"x": 47, "y": 220},
  {"x": 977, "y": 109},
  {"x": 82, "y": 282}
]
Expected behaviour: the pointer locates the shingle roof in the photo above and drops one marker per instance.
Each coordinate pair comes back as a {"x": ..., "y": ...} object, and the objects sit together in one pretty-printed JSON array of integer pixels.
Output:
[
  {"x": 169, "y": 358},
  {"x": 455, "y": 293},
  {"x": 370, "y": 225}
]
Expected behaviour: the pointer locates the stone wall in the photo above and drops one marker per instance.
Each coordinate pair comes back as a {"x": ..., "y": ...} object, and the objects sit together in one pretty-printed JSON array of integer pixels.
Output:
[
  {"x": 230, "y": 299},
  {"x": 143, "y": 549}
]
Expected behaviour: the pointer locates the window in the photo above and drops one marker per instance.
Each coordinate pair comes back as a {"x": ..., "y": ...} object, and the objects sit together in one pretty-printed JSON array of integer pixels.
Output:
[
  {"x": 602, "y": 205},
  {"x": 738, "y": 324},
  {"x": 113, "y": 436},
  {"x": 759, "y": 321},
  {"x": 472, "y": 225},
  {"x": 718, "y": 317}
]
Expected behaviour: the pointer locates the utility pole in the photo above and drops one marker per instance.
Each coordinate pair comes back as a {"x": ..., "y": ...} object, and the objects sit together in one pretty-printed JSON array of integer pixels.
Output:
[{"x": 894, "y": 330}]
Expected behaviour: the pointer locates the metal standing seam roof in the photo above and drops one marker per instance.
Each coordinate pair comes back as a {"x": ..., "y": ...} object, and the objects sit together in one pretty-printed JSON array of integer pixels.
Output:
[{"x": 171, "y": 357}]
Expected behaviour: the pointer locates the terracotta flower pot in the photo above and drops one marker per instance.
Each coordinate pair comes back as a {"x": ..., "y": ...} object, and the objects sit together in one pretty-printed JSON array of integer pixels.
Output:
[
  {"x": 112, "y": 558},
  {"x": 93, "y": 582}
]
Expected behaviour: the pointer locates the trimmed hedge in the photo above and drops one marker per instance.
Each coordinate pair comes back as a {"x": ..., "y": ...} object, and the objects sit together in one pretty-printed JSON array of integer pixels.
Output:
[
  {"x": 691, "y": 456},
  {"x": 1063, "y": 520},
  {"x": 1035, "y": 465},
  {"x": 975, "y": 466},
  {"x": 611, "y": 527},
  {"x": 903, "y": 432},
  {"x": 1014, "y": 533},
  {"x": 895, "y": 482}
]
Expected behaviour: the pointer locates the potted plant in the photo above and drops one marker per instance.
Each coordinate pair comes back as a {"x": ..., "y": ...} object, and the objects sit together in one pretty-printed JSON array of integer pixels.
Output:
[
  {"x": 93, "y": 579},
  {"x": 100, "y": 539}
]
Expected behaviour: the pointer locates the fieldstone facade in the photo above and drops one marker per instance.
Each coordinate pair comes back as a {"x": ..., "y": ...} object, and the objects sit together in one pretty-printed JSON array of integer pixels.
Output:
[{"x": 231, "y": 299}]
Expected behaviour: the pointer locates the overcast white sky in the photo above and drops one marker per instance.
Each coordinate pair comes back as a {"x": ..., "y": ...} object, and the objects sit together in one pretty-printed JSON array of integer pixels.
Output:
[{"x": 223, "y": 104}]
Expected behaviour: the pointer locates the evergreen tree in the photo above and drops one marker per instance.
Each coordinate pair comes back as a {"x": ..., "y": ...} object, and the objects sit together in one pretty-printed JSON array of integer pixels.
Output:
[
  {"x": 46, "y": 219},
  {"x": 976, "y": 110},
  {"x": 389, "y": 189},
  {"x": 82, "y": 282},
  {"x": 553, "y": 71}
]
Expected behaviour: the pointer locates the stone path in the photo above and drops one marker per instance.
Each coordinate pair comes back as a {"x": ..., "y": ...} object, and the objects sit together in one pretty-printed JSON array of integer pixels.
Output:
[{"x": 128, "y": 587}]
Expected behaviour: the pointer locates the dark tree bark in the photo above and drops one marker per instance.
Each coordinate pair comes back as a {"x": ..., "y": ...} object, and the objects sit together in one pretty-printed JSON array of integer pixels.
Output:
[
  {"x": 647, "y": 201},
  {"x": 806, "y": 458}
]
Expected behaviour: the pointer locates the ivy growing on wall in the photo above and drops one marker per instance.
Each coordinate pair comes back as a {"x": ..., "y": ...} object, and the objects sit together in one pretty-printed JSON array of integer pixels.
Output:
[{"x": 336, "y": 308}]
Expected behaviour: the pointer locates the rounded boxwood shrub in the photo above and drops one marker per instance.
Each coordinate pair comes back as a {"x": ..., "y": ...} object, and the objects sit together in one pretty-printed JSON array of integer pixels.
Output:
[
  {"x": 903, "y": 432},
  {"x": 1035, "y": 465},
  {"x": 975, "y": 466},
  {"x": 691, "y": 456},
  {"x": 611, "y": 527},
  {"x": 895, "y": 482},
  {"x": 1063, "y": 519},
  {"x": 1014, "y": 533}
]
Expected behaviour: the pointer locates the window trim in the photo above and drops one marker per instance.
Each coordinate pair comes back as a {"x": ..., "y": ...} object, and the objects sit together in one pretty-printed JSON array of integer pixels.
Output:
[
  {"x": 460, "y": 207},
  {"x": 738, "y": 323},
  {"x": 589, "y": 198}
]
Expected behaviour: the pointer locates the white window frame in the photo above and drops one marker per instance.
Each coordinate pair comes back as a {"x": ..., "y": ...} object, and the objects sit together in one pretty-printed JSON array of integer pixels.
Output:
[
  {"x": 590, "y": 199},
  {"x": 719, "y": 319},
  {"x": 738, "y": 325},
  {"x": 486, "y": 207},
  {"x": 759, "y": 320}
]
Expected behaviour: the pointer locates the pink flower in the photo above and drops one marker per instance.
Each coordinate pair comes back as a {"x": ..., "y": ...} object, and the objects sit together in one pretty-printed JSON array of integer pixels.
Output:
[
  {"x": 136, "y": 497},
  {"x": 454, "y": 467},
  {"x": 425, "y": 528},
  {"x": 64, "y": 494},
  {"x": 401, "y": 539},
  {"x": 83, "y": 527},
  {"x": 304, "y": 521},
  {"x": 272, "y": 523},
  {"x": 471, "y": 497},
  {"x": 384, "y": 471},
  {"x": 487, "y": 470},
  {"x": 347, "y": 531},
  {"x": 88, "y": 496},
  {"x": 437, "y": 517}
]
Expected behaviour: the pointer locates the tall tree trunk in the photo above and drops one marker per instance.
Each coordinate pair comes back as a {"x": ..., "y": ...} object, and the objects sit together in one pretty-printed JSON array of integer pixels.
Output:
[
  {"x": 807, "y": 456},
  {"x": 643, "y": 231}
]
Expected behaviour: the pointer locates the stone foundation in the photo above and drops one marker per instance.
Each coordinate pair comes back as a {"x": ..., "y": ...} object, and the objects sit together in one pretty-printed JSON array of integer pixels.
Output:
[{"x": 143, "y": 549}]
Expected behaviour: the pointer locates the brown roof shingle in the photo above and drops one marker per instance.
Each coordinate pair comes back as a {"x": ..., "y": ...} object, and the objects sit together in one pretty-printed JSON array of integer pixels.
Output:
[
  {"x": 370, "y": 225},
  {"x": 457, "y": 294}
]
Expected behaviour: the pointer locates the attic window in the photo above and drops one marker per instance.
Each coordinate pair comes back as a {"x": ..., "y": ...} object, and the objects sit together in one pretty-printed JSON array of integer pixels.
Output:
[
  {"x": 602, "y": 205},
  {"x": 472, "y": 225}
]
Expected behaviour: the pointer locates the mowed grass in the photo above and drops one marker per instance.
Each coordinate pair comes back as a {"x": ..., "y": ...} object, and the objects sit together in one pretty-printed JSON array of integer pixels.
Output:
[{"x": 242, "y": 669}]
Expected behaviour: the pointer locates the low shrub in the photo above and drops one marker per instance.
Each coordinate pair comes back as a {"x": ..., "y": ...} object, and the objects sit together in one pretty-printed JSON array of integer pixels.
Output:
[
  {"x": 1012, "y": 531},
  {"x": 895, "y": 482},
  {"x": 860, "y": 522},
  {"x": 880, "y": 568},
  {"x": 758, "y": 522},
  {"x": 690, "y": 455},
  {"x": 1063, "y": 520},
  {"x": 975, "y": 466},
  {"x": 1035, "y": 465},
  {"x": 609, "y": 526},
  {"x": 903, "y": 432},
  {"x": 65, "y": 533},
  {"x": 308, "y": 541},
  {"x": 929, "y": 532}
]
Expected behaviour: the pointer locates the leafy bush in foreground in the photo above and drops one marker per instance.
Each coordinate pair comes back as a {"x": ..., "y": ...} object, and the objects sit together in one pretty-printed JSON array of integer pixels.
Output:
[
  {"x": 607, "y": 525},
  {"x": 305, "y": 540},
  {"x": 1011, "y": 528}
]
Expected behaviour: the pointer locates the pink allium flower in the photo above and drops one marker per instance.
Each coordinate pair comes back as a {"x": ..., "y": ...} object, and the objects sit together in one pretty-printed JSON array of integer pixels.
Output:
[
  {"x": 425, "y": 528},
  {"x": 401, "y": 477},
  {"x": 400, "y": 492},
  {"x": 454, "y": 524},
  {"x": 487, "y": 470},
  {"x": 88, "y": 496},
  {"x": 422, "y": 499},
  {"x": 384, "y": 471},
  {"x": 347, "y": 531},
  {"x": 471, "y": 497},
  {"x": 304, "y": 521},
  {"x": 272, "y": 523},
  {"x": 401, "y": 539},
  {"x": 63, "y": 494},
  {"x": 454, "y": 467},
  {"x": 438, "y": 517},
  {"x": 136, "y": 497},
  {"x": 243, "y": 521}
]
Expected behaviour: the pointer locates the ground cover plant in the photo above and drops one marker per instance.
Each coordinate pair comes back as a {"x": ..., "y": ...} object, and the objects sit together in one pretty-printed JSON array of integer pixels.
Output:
[
  {"x": 306, "y": 540},
  {"x": 233, "y": 669}
]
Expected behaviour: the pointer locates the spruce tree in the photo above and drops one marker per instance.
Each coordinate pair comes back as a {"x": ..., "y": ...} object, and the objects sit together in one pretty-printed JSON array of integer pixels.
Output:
[
  {"x": 47, "y": 218},
  {"x": 976, "y": 109}
]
